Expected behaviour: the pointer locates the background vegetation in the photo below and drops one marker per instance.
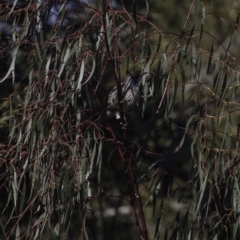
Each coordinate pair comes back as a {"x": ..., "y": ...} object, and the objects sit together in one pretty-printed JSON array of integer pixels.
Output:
[{"x": 67, "y": 171}]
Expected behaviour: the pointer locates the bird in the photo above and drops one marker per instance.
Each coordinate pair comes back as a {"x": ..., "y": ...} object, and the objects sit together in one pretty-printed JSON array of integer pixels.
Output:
[{"x": 130, "y": 95}]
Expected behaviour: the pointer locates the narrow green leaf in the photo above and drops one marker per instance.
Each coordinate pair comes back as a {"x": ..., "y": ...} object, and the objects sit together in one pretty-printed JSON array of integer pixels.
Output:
[
  {"x": 14, "y": 189},
  {"x": 23, "y": 197},
  {"x": 57, "y": 229},
  {"x": 17, "y": 232},
  {"x": 135, "y": 12},
  {"x": 64, "y": 61},
  {"x": 203, "y": 21},
  {"x": 36, "y": 233},
  {"x": 194, "y": 62},
  {"x": 223, "y": 90},
  {"x": 13, "y": 6},
  {"x": 237, "y": 22},
  {"x": 183, "y": 77},
  {"x": 159, "y": 43},
  {"x": 166, "y": 234},
  {"x": 3, "y": 228},
  {"x": 203, "y": 187},
  {"x": 147, "y": 6},
  {"x": 158, "y": 222},
  {"x": 210, "y": 60},
  {"x": 85, "y": 232},
  {"x": 190, "y": 235},
  {"x": 186, "y": 130},
  {"x": 189, "y": 37},
  {"x": 173, "y": 98}
]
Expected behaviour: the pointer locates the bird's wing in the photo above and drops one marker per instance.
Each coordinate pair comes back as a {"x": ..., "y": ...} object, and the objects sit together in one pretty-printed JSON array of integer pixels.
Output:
[{"x": 113, "y": 95}]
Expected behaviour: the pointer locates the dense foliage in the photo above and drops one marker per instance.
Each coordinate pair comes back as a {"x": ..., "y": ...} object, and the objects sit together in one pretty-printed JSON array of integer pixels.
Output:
[{"x": 168, "y": 169}]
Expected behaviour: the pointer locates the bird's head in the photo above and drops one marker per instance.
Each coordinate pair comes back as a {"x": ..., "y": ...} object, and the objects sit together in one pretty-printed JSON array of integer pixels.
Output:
[{"x": 136, "y": 78}]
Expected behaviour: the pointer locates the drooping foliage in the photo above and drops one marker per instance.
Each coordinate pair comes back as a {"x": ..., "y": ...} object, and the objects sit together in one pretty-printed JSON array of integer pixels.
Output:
[{"x": 168, "y": 169}]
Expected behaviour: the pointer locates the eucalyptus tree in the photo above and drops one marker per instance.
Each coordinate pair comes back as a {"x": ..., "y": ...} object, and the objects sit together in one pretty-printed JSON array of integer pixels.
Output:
[{"x": 168, "y": 169}]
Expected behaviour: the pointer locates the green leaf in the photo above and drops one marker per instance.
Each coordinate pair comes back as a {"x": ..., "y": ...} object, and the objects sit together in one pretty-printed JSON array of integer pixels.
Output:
[
  {"x": 203, "y": 21},
  {"x": 183, "y": 77},
  {"x": 158, "y": 222},
  {"x": 186, "y": 130},
  {"x": 190, "y": 37},
  {"x": 203, "y": 188},
  {"x": 210, "y": 60},
  {"x": 135, "y": 12}
]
